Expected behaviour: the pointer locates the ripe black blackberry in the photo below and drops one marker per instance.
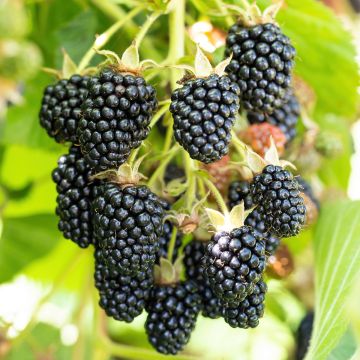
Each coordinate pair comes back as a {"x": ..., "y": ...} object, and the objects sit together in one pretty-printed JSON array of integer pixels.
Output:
[
  {"x": 122, "y": 297},
  {"x": 285, "y": 117},
  {"x": 194, "y": 253},
  {"x": 75, "y": 192},
  {"x": 172, "y": 313},
  {"x": 204, "y": 111},
  {"x": 241, "y": 191},
  {"x": 282, "y": 206},
  {"x": 247, "y": 313},
  {"x": 173, "y": 172},
  {"x": 127, "y": 224},
  {"x": 234, "y": 262},
  {"x": 117, "y": 113},
  {"x": 60, "y": 111},
  {"x": 303, "y": 336},
  {"x": 262, "y": 61}
]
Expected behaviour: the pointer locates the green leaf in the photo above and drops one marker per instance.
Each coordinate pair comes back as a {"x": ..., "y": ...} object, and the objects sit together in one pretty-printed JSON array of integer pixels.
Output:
[
  {"x": 337, "y": 255},
  {"x": 325, "y": 54},
  {"x": 345, "y": 348},
  {"x": 24, "y": 239}
]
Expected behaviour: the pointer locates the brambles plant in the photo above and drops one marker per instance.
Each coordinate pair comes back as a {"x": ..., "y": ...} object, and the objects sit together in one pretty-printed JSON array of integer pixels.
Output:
[{"x": 191, "y": 179}]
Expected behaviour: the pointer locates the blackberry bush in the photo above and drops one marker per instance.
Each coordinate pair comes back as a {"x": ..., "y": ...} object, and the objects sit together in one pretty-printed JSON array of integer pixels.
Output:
[
  {"x": 127, "y": 226},
  {"x": 172, "y": 313},
  {"x": 123, "y": 297},
  {"x": 60, "y": 111},
  {"x": 75, "y": 193},
  {"x": 116, "y": 117}
]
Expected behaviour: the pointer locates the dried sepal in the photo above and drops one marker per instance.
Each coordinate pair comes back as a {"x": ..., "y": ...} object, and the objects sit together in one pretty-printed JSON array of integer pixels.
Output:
[
  {"x": 220, "y": 68},
  {"x": 202, "y": 64},
  {"x": 167, "y": 273}
]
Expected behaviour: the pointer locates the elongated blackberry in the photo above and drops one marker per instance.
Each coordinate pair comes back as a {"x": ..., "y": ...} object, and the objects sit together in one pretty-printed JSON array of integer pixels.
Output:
[
  {"x": 234, "y": 262},
  {"x": 61, "y": 108},
  {"x": 248, "y": 312},
  {"x": 194, "y": 253},
  {"x": 285, "y": 117},
  {"x": 241, "y": 191},
  {"x": 75, "y": 192},
  {"x": 204, "y": 111},
  {"x": 122, "y": 297},
  {"x": 303, "y": 336},
  {"x": 116, "y": 119},
  {"x": 172, "y": 313},
  {"x": 282, "y": 206},
  {"x": 127, "y": 225},
  {"x": 262, "y": 61}
]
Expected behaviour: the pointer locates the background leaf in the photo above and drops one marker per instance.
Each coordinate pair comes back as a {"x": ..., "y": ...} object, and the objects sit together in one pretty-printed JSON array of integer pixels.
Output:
[
  {"x": 25, "y": 239},
  {"x": 337, "y": 255}
]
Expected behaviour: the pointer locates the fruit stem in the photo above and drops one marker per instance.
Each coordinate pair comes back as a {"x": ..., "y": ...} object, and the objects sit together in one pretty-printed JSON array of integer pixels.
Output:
[
  {"x": 220, "y": 6},
  {"x": 146, "y": 26},
  {"x": 176, "y": 39},
  {"x": 172, "y": 242},
  {"x": 218, "y": 197},
  {"x": 159, "y": 114},
  {"x": 168, "y": 136},
  {"x": 103, "y": 38},
  {"x": 239, "y": 145},
  {"x": 190, "y": 194}
]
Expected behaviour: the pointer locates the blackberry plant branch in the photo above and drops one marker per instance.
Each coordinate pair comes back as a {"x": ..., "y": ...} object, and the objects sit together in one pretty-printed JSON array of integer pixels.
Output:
[
  {"x": 238, "y": 144},
  {"x": 190, "y": 194},
  {"x": 172, "y": 242},
  {"x": 146, "y": 26},
  {"x": 218, "y": 197},
  {"x": 103, "y": 38}
]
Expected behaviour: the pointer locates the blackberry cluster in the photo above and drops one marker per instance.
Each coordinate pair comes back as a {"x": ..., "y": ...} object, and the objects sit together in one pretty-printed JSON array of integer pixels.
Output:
[
  {"x": 285, "y": 117},
  {"x": 241, "y": 191},
  {"x": 60, "y": 111},
  {"x": 248, "y": 312},
  {"x": 204, "y": 112},
  {"x": 172, "y": 313},
  {"x": 116, "y": 118},
  {"x": 123, "y": 297},
  {"x": 75, "y": 191},
  {"x": 127, "y": 224},
  {"x": 282, "y": 206},
  {"x": 194, "y": 253},
  {"x": 234, "y": 263},
  {"x": 262, "y": 62},
  {"x": 303, "y": 336}
]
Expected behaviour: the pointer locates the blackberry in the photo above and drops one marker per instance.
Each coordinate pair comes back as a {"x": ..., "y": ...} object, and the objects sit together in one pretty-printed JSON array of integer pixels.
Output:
[
  {"x": 173, "y": 172},
  {"x": 234, "y": 262},
  {"x": 262, "y": 61},
  {"x": 204, "y": 111},
  {"x": 194, "y": 253},
  {"x": 61, "y": 108},
  {"x": 285, "y": 117},
  {"x": 282, "y": 206},
  {"x": 116, "y": 119},
  {"x": 172, "y": 313},
  {"x": 304, "y": 335},
  {"x": 75, "y": 192},
  {"x": 122, "y": 297},
  {"x": 127, "y": 225},
  {"x": 247, "y": 313},
  {"x": 240, "y": 191}
]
